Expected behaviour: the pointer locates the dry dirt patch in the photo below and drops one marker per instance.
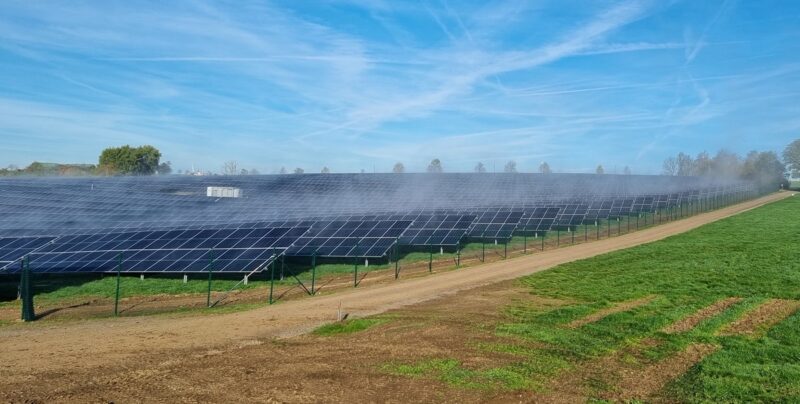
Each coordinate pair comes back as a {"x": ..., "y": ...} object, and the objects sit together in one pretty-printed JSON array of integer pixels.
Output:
[
  {"x": 692, "y": 321},
  {"x": 617, "y": 308},
  {"x": 650, "y": 380},
  {"x": 759, "y": 320}
]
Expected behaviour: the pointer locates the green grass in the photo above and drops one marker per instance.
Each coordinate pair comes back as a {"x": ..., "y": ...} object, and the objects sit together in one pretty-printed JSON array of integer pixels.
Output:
[
  {"x": 753, "y": 255},
  {"x": 348, "y": 326}
]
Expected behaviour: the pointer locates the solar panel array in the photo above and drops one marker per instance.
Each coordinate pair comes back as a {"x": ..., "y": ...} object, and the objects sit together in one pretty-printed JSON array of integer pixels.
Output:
[{"x": 168, "y": 224}]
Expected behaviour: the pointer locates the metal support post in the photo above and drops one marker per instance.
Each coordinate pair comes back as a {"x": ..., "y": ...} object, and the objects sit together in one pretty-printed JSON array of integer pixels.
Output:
[
  {"x": 26, "y": 291},
  {"x": 430, "y": 261},
  {"x": 271, "y": 281},
  {"x": 116, "y": 295},
  {"x": 355, "y": 267},
  {"x": 210, "y": 270},
  {"x": 313, "y": 272},
  {"x": 396, "y": 260}
]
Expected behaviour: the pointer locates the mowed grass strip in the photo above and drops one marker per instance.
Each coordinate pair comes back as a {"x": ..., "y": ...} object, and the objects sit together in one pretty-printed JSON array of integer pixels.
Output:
[
  {"x": 763, "y": 317},
  {"x": 705, "y": 313},
  {"x": 617, "y": 308},
  {"x": 697, "y": 283}
]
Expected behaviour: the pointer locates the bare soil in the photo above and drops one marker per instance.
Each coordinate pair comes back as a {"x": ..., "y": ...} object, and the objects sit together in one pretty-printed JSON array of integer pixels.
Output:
[
  {"x": 758, "y": 321},
  {"x": 688, "y": 323},
  {"x": 261, "y": 355},
  {"x": 646, "y": 383},
  {"x": 617, "y": 308}
]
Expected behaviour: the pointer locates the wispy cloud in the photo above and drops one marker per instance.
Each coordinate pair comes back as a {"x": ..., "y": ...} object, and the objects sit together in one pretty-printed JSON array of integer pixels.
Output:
[{"x": 349, "y": 84}]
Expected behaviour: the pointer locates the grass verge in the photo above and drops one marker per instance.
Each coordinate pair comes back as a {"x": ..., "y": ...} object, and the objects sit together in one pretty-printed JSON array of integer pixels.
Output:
[{"x": 752, "y": 256}]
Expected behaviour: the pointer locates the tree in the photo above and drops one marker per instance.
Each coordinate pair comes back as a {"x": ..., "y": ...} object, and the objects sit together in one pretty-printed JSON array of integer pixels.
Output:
[
  {"x": 282, "y": 170},
  {"x": 670, "y": 166},
  {"x": 127, "y": 160},
  {"x": 685, "y": 164},
  {"x": 626, "y": 170},
  {"x": 254, "y": 172},
  {"x": 726, "y": 164},
  {"x": 544, "y": 168},
  {"x": 480, "y": 168},
  {"x": 325, "y": 170},
  {"x": 435, "y": 166},
  {"x": 244, "y": 172},
  {"x": 600, "y": 170},
  {"x": 511, "y": 167},
  {"x": 398, "y": 168},
  {"x": 231, "y": 167},
  {"x": 299, "y": 170},
  {"x": 165, "y": 168},
  {"x": 702, "y": 164},
  {"x": 791, "y": 157},
  {"x": 765, "y": 169}
]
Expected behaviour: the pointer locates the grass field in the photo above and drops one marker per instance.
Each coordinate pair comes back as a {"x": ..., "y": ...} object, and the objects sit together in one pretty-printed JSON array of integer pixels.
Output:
[{"x": 743, "y": 352}]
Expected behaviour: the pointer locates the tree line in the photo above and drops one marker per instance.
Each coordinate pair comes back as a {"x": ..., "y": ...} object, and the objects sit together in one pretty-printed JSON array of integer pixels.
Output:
[{"x": 763, "y": 167}]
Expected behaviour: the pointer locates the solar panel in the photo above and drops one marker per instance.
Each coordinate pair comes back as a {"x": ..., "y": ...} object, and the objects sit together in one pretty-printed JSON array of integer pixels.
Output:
[
  {"x": 436, "y": 229},
  {"x": 167, "y": 223},
  {"x": 14, "y": 248},
  {"x": 349, "y": 238},
  {"x": 539, "y": 219},
  {"x": 495, "y": 224},
  {"x": 239, "y": 250}
]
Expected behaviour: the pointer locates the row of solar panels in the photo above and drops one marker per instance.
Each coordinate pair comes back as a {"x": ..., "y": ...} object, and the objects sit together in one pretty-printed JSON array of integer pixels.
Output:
[
  {"x": 61, "y": 206},
  {"x": 249, "y": 247}
]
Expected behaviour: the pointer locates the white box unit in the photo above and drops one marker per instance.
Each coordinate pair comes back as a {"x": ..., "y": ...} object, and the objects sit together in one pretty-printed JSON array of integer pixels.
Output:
[{"x": 223, "y": 192}]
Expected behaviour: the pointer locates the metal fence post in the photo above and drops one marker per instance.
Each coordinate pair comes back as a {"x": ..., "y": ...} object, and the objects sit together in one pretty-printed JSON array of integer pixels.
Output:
[
  {"x": 210, "y": 269},
  {"x": 26, "y": 291},
  {"x": 116, "y": 295}
]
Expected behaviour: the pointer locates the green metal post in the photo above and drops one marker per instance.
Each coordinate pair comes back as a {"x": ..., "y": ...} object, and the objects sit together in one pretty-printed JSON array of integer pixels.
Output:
[
  {"x": 396, "y": 260},
  {"x": 458, "y": 254},
  {"x": 313, "y": 272},
  {"x": 23, "y": 289},
  {"x": 210, "y": 270},
  {"x": 26, "y": 291},
  {"x": 430, "y": 260},
  {"x": 116, "y": 296},
  {"x": 355, "y": 268},
  {"x": 271, "y": 280}
]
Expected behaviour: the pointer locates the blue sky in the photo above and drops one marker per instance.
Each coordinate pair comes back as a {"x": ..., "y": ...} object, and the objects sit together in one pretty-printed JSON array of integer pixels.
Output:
[{"x": 362, "y": 84}]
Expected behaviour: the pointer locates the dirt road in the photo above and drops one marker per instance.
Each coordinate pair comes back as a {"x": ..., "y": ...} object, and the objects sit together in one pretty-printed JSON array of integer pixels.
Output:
[{"x": 31, "y": 349}]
